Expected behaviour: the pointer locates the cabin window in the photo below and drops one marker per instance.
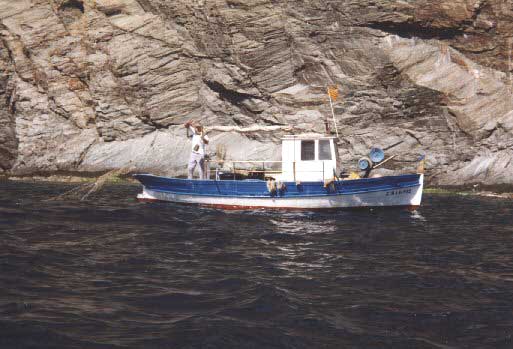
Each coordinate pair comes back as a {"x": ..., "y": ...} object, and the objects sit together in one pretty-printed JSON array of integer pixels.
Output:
[
  {"x": 324, "y": 149},
  {"x": 307, "y": 150}
]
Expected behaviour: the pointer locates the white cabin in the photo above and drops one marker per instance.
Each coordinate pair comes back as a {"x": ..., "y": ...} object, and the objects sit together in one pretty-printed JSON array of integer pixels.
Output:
[{"x": 309, "y": 157}]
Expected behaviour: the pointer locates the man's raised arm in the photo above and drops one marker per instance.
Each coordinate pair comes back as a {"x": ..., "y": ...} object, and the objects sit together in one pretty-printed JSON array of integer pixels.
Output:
[{"x": 188, "y": 126}]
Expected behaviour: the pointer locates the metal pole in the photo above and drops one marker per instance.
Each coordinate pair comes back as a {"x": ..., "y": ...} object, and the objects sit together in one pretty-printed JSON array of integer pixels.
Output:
[
  {"x": 332, "y": 111},
  {"x": 294, "y": 162}
]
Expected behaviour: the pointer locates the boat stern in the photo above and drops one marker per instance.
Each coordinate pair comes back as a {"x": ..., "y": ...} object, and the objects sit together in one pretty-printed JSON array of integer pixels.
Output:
[{"x": 417, "y": 197}]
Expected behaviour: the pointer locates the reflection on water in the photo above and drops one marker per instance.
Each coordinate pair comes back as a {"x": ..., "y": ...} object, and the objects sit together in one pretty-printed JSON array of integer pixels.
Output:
[
  {"x": 416, "y": 215},
  {"x": 113, "y": 273}
]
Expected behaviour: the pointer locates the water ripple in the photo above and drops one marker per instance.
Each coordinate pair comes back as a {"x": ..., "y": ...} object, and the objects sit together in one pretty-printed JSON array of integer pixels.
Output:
[{"x": 113, "y": 273}]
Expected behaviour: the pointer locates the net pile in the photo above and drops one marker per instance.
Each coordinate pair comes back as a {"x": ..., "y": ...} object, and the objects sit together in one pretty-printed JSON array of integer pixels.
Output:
[{"x": 220, "y": 154}]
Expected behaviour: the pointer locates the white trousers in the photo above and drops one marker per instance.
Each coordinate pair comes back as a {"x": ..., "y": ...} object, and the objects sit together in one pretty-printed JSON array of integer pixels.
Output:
[{"x": 196, "y": 159}]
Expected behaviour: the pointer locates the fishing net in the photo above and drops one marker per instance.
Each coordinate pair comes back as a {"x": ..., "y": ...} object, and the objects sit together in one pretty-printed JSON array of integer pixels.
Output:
[
  {"x": 83, "y": 191},
  {"x": 220, "y": 153}
]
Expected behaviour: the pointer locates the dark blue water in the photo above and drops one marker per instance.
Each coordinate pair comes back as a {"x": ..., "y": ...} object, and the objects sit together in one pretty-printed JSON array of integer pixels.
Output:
[{"x": 113, "y": 273}]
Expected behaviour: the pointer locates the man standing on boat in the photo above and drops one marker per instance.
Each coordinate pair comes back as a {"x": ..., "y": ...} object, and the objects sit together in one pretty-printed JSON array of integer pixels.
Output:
[{"x": 199, "y": 142}]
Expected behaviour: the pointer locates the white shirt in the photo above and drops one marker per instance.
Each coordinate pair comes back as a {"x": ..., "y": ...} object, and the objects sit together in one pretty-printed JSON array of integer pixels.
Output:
[{"x": 197, "y": 140}]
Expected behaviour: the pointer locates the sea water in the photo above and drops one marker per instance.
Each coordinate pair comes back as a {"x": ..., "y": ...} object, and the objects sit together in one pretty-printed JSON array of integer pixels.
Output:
[{"x": 113, "y": 273}]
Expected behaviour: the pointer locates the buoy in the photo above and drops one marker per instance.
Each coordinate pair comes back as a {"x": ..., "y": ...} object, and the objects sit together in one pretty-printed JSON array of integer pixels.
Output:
[
  {"x": 328, "y": 182},
  {"x": 330, "y": 186},
  {"x": 364, "y": 164},
  {"x": 271, "y": 186},
  {"x": 376, "y": 155}
]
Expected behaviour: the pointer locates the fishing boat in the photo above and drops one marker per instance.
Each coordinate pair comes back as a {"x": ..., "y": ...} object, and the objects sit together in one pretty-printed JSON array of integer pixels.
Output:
[{"x": 308, "y": 179}]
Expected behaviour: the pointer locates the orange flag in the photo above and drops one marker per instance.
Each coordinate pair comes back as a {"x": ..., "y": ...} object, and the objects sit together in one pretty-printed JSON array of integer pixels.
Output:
[{"x": 333, "y": 92}]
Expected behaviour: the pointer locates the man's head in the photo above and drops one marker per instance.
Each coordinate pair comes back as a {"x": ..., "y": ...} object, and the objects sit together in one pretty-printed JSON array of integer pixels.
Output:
[{"x": 198, "y": 128}]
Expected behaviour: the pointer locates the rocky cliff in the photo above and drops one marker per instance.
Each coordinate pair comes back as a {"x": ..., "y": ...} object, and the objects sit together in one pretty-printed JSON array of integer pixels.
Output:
[{"x": 91, "y": 85}]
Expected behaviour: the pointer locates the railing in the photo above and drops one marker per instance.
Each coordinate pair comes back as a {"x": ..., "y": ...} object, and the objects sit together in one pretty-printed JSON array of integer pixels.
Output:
[{"x": 236, "y": 171}]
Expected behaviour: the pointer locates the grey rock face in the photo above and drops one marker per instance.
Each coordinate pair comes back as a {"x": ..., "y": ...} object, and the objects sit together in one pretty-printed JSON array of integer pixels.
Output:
[
  {"x": 8, "y": 142},
  {"x": 91, "y": 85}
]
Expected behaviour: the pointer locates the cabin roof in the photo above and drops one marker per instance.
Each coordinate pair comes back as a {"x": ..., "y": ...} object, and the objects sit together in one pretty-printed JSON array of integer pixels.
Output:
[{"x": 307, "y": 136}]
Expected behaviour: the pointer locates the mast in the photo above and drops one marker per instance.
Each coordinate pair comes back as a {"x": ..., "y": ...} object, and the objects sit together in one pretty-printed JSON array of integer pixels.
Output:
[{"x": 333, "y": 94}]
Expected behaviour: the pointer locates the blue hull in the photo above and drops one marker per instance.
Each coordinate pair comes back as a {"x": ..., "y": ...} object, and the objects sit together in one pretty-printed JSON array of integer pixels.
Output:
[{"x": 258, "y": 188}]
